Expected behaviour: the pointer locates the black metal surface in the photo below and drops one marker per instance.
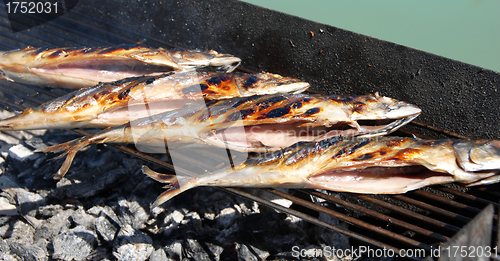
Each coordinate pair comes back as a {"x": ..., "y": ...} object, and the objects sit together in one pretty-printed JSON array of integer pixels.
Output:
[{"x": 454, "y": 96}]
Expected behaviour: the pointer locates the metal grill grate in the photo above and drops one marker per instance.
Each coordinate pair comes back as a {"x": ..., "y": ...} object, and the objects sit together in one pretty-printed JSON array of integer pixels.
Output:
[{"x": 421, "y": 219}]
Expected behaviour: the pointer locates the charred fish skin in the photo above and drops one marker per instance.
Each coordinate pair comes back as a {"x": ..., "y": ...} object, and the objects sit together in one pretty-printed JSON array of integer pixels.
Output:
[
  {"x": 112, "y": 104},
  {"x": 77, "y": 67},
  {"x": 254, "y": 124},
  {"x": 382, "y": 165}
]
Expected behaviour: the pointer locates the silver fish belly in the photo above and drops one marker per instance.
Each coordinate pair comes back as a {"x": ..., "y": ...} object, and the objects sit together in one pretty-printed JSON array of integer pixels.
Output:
[{"x": 382, "y": 165}]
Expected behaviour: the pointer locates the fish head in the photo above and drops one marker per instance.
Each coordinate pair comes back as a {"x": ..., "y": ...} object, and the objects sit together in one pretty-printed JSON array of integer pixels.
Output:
[
  {"x": 268, "y": 83},
  {"x": 478, "y": 155},
  {"x": 379, "y": 115}
]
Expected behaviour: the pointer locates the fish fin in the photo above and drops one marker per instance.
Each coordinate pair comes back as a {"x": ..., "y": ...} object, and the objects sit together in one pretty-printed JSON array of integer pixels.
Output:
[
  {"x": 59, "y": 147},
  {"x": 173, "y": 191},
  {"x": 70, "y": 149},
  {"x": 174, "y": 188},
  {"x": 163, "y": 178}
]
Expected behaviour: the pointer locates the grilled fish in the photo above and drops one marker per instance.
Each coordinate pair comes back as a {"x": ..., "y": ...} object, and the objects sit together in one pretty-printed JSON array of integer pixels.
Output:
[
  {"x": 113, "y": 104},
  {"x": 76, "y": 67},
  {"x": 257, "y": 123},
  {"x": 382, "y": 165}
]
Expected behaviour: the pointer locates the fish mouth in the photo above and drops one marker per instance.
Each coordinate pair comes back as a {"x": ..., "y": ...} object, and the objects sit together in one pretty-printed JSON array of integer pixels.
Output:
[
  {"x": 270, "y": 137},
  {"x": 371, "y": 128},
  {"x": 102, "y": 70},
  {"x": 378, "y": 180}
]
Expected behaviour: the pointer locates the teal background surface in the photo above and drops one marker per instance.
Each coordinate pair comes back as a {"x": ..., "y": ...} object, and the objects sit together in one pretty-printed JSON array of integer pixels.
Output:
[{"x": 464, "y": 30}]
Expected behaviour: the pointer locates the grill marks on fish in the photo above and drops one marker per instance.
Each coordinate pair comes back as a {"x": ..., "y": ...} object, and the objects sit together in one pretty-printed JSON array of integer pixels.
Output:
[
  {"x": 113, "y": 104},
  {"x": 356, "y": 165},
  {"x": 71, "y": 67},
  {"x": 254, "y": 124}
]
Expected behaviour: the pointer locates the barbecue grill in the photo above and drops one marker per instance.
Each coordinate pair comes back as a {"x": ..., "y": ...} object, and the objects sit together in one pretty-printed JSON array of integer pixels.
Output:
[{"x": 458, "y": 100}]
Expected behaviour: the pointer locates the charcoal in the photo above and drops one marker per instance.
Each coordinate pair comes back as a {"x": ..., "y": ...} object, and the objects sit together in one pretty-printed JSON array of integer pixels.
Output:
[
  {"x": 23, "y": 154},
  {"x": 5, "y": 253},
  {"x": 105, "y": 228},
  {"x": 172, "y": 222},
  {"x": 104, "y": 211},
  {"x": 53, "y": 226},
  {"x": 130, "y": 212},
  {"x": 100, "y": 253},
  {"x": 193, "y": 222},
  {"x": 9, "y": 184},
  {"x": 49, "y": 210},
  {"x": 81, "y": 183},
  {"x": 4, "y": 220},
  {"x": 5, "y": 228},
  {"x": 229, "y": 232},
  {"x": 80, "y": 217},
  {"x": 8, "y": 141},
  {"x": 15, "y": 137},
  {"x": 158, "y": 255},
  {"x": 132, "y": 244},
  {"x": 22, "y": 158},
  {"x": 252, "y": 253},
  {"x": 332, "y": 239},
  {"x": 28, "y": 252},
  {"x": 227, "y": 217},
  {"x": 28, "y": 202},
  {"x": 215, "y": 250},
  {"x": 195, "y": 251},
  {"x": 103, "y": 158},
  {"x": 74, "y": 244},
  {"x": 174, "y": 250},
  {"x": 22, "y": 233},
  {"x": 36, "y": 143}
]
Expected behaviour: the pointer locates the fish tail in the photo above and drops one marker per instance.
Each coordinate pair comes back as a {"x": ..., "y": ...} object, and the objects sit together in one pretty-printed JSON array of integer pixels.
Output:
[
  {"x": 174, "y": 187},
  {"x": 29, "y": 119},
  {"x": 70, "y": 149},
  {"x": 163, "y": 178},
  {"x": 59, "y": 147},
  {"x": 10, "y": 123}
]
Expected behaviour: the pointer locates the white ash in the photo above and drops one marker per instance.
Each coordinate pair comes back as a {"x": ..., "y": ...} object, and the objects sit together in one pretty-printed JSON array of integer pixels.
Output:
[
  {"x": 28, "y": 202},
  {"x": 74, "y": 244},
  {"x": 105, "y": 211},
  {"x": 105, "y": 228},
  {"x": 7, "y": 209},
  {"x": 132, "y": 244},
  {"x": 21, "y": 232},
  {"x": 21, "y": 153},
  {"x": 158, "y": 255},
  {"x": 53, "y": 226},
  {"x": 130, "y": 212},
  {"x": 81, "y": 218},
  {"x": 174, "y": 250},
  {"x": 10, "y": 250}
]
